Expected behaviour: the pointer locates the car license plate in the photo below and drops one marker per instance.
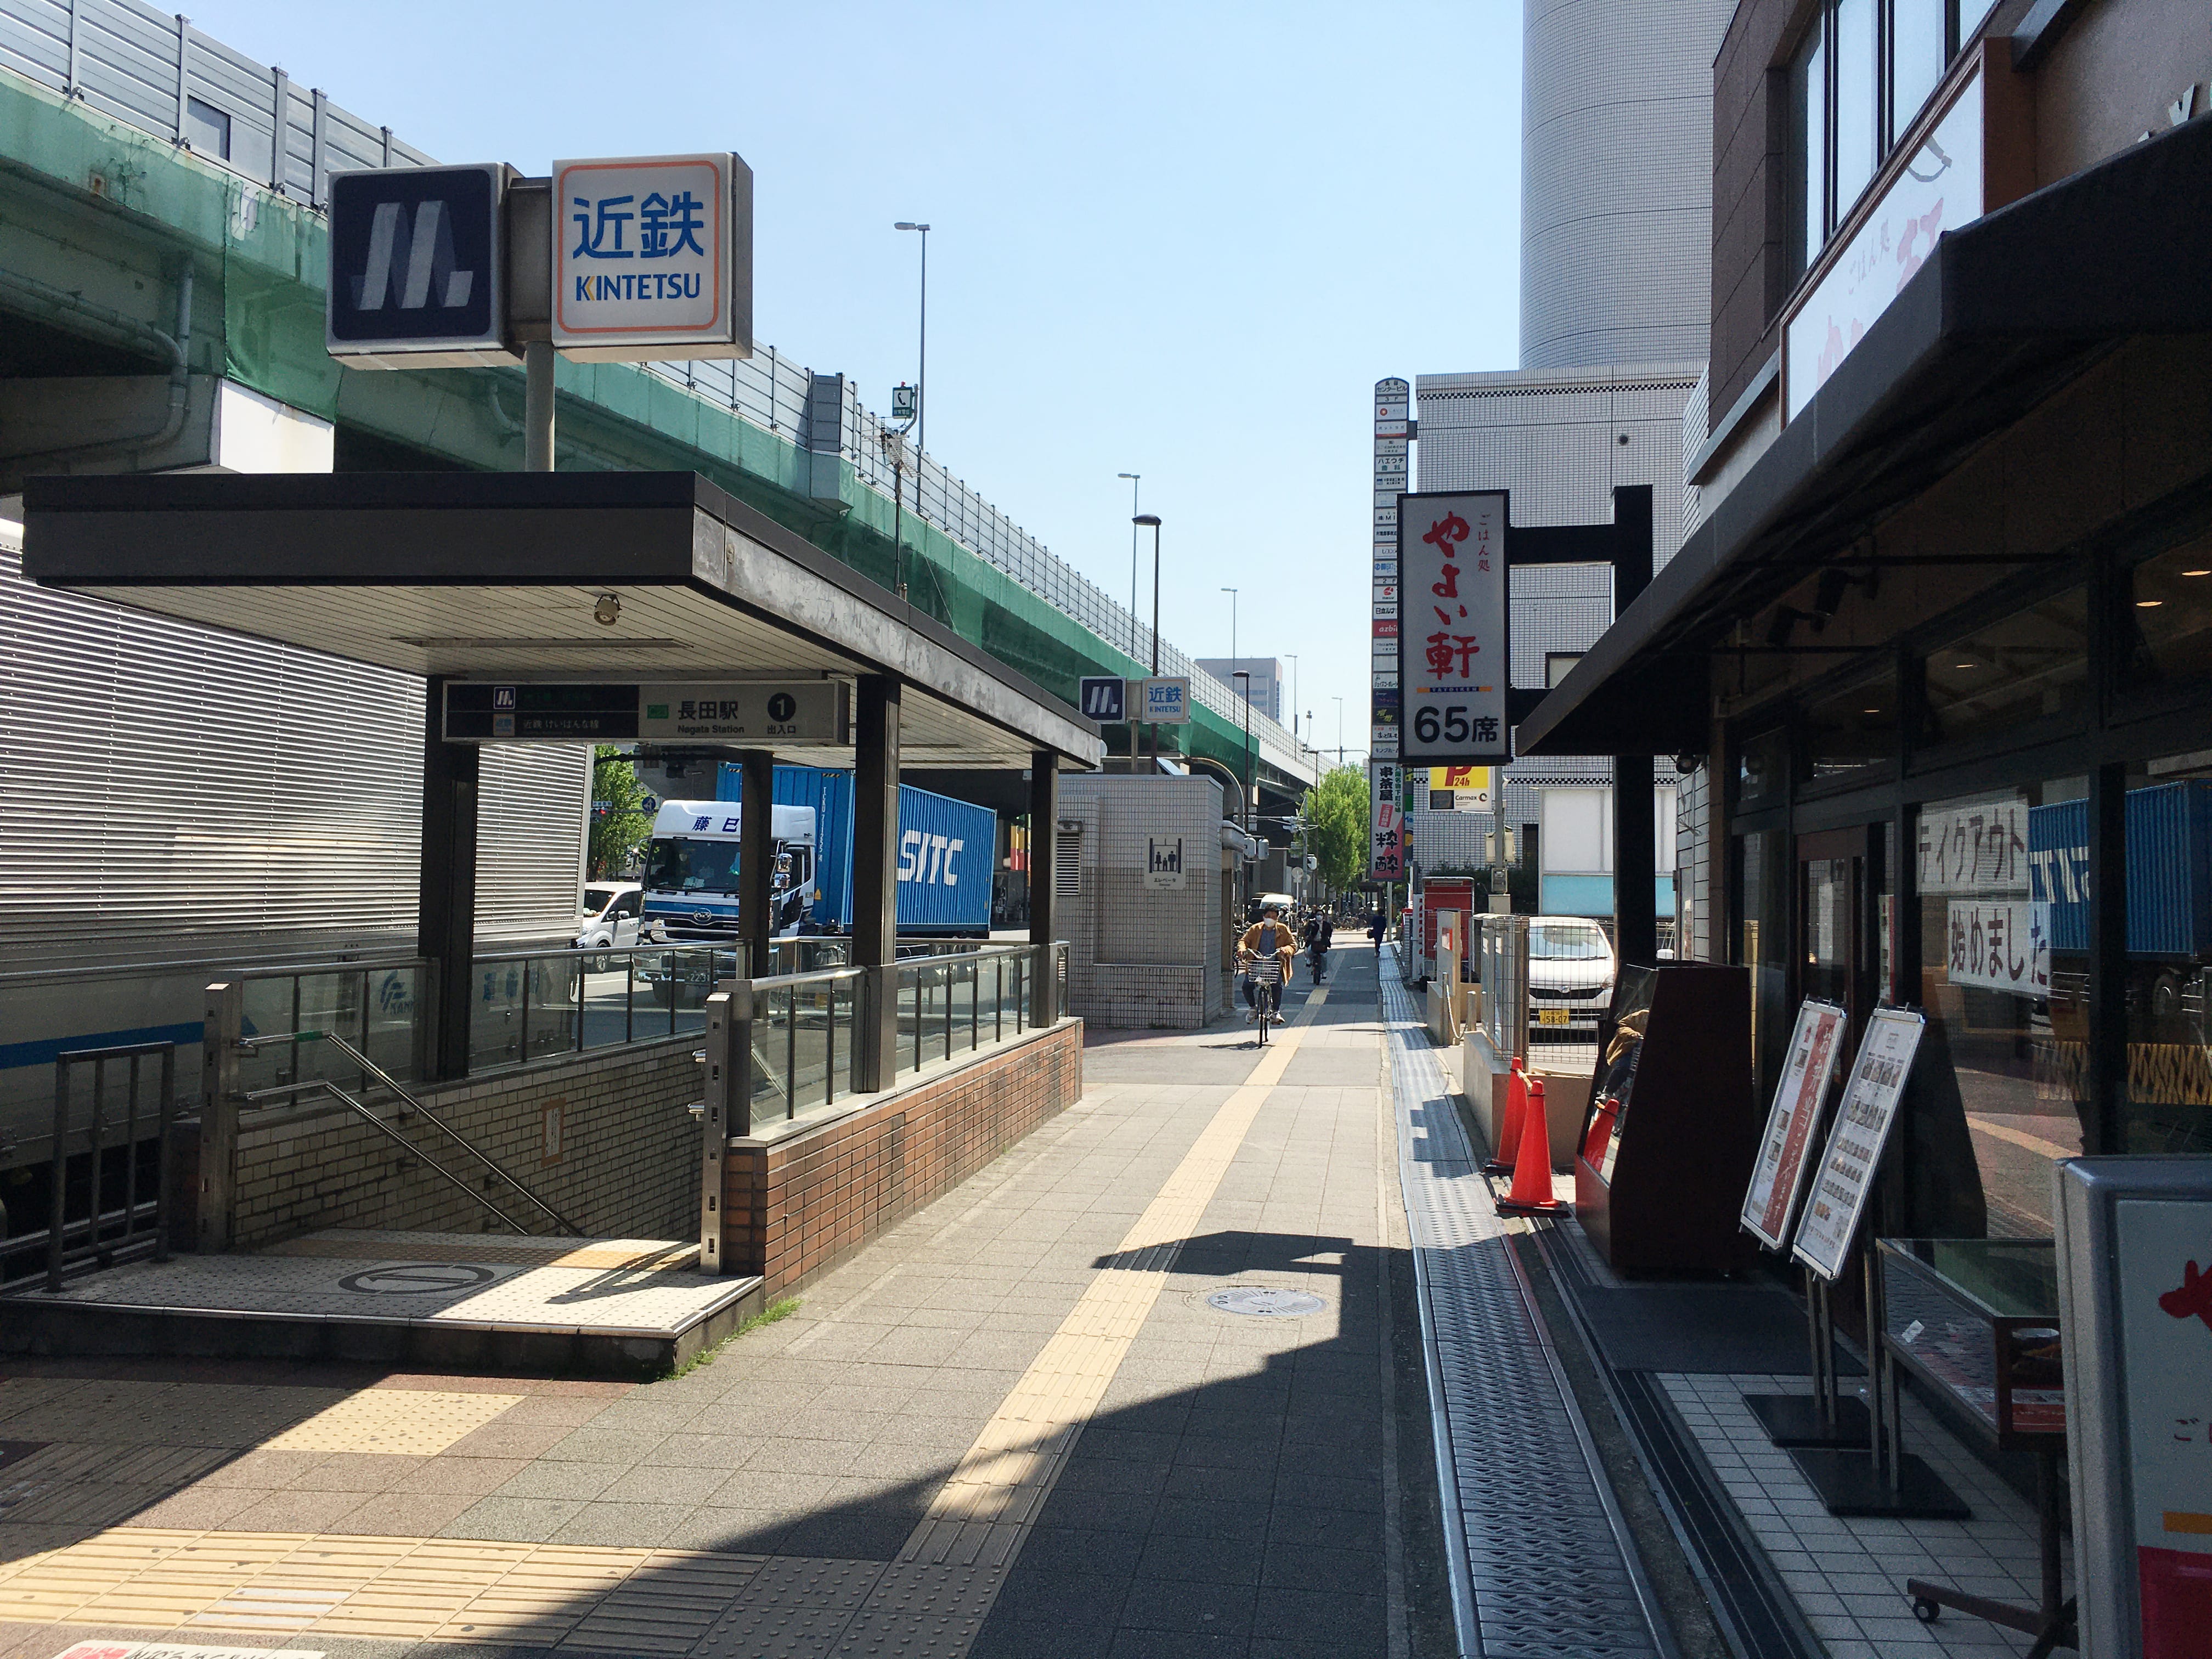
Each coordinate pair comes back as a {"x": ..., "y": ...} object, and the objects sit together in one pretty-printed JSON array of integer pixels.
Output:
[{"x": 1551, "y": 1017}]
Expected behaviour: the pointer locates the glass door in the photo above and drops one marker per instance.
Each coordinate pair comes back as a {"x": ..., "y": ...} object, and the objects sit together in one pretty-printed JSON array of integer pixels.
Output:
[{"x": 1833, "y": 957}]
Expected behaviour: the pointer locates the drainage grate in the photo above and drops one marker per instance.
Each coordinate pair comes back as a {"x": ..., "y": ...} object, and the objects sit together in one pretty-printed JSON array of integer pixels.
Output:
[
  {"x": 1262, "y": 1302},
  {"x": 1539, "y": 1566}
]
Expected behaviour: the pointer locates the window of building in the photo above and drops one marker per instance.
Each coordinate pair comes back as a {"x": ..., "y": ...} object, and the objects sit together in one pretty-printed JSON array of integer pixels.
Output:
[
  {"x": 1852, "y": 728},
  {"x": 2024, "y": 669},
  {"x": 2169, "y": 961},
  {"x": 2003, "y": 883},
  {"x": 1762, "y": 771},
  {"x": 1857, "y": 80},
  {"x": 2169, "y": 619},
  {"x": 206, "y": 129},
  {"x": 1919, "y": 47},
  {"x": 1558, "y": 665}
]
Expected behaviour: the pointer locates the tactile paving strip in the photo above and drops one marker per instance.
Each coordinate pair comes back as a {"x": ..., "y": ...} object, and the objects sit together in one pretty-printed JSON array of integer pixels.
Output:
[
  {"x": 1539, "y": 1571},
  {"x": 397, "y": 1422}
]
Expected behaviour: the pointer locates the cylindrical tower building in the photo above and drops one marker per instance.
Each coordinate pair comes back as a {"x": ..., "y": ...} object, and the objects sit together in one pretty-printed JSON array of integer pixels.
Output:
[{"x": 1616, "y": 181}]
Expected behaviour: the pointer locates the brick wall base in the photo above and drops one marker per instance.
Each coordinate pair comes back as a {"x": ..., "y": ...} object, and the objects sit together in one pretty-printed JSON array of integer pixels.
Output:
[
  {"x": 798, "y": 1204},
  {"x": 605, "y": 1139}
]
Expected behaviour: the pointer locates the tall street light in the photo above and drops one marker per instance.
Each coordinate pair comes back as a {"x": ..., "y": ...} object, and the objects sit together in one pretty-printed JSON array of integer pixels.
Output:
[
  {"x": 1251, "y": 780},
  {"x": 1153, "y": 519},
  {"x": 1340, "y": 731},
  {"x": 921, "y": 366},
  {"x": 1231, "y": 592},
  {"x": 1133, "y": 477},
  {"x": 1293, "y": 656}
]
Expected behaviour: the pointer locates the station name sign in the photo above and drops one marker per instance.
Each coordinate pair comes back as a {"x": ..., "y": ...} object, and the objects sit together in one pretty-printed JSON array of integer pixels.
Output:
[{"x": 743, "y": 711}]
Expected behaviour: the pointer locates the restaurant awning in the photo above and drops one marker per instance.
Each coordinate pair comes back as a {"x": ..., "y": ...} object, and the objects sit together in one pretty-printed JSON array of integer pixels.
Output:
[{"x": 2002, "y": 312}]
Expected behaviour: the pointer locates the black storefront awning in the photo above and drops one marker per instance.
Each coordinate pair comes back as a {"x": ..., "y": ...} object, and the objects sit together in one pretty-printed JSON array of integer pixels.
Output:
[{"x": 2002, "y": 312}]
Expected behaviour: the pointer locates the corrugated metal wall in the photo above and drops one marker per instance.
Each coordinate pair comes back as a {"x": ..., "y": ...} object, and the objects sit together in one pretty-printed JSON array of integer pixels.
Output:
[{"x": 168, "y": 791}]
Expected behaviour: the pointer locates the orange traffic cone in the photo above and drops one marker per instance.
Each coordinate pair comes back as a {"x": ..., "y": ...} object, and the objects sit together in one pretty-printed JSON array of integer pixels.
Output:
[
  {"x": 1531, "y": 1168},
  {"x": 1516, "y": 1107}
]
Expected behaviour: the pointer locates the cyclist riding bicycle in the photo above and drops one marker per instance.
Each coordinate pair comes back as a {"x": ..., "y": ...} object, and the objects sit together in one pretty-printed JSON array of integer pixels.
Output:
[{"x": 1265, "y": 954}]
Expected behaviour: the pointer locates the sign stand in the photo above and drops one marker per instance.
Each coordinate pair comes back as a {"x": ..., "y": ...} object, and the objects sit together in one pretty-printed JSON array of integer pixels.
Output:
[
  {"x": 1824, "y": 1417},
  {"x": 1881, "y": 1478}
]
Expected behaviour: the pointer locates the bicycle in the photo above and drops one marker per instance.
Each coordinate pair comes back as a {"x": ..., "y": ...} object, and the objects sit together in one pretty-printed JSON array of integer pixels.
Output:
[{"x": 1266, "y": 1002}]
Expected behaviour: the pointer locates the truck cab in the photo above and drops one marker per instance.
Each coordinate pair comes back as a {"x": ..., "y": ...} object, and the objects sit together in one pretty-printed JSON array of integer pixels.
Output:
[{"x": 691, "y": 878}]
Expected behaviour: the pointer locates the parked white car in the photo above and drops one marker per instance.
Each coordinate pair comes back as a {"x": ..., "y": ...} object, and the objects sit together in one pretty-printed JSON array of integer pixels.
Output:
[
  {"x": 609, "y": 920},
  {"x": 1571, "y": 968}
]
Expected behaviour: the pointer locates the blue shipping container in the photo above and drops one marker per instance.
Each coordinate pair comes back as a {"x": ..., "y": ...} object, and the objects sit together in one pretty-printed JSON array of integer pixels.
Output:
[
  {"x": 2169, "y": 837},
  {"x": 946, "y": 856}
]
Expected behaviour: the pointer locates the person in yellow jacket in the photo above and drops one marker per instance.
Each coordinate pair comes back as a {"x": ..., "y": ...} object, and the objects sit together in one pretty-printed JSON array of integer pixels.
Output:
[{"x": 1265, "y": 954}]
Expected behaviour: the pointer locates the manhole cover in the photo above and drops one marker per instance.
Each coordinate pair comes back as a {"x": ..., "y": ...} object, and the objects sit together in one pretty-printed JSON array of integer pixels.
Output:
[
  {"x": 1262, "y": 1303},
  {"x": 417, "y": 1279}
]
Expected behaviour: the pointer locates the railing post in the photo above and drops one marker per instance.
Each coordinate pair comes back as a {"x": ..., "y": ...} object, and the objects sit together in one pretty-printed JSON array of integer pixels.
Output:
[
  {"x": 58, "y": 1210},
  {"x": 876, "y": 1048},
  {"x": 728, "y": 1108},
  {"x": 219, "y": 1049}
]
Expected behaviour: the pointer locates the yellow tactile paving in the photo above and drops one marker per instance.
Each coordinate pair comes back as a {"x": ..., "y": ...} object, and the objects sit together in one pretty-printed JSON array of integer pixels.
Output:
[
  {"x": 400, "y": 1587},
  {"x": 402, "y": 1422},
  {"x": 983, "y": 1511}
]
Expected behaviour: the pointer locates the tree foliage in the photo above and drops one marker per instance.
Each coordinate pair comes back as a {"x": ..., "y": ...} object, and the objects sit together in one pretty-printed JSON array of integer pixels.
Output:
[
  {"x": 620, "y": 824},
  {"x": 1336, "y": 812}
]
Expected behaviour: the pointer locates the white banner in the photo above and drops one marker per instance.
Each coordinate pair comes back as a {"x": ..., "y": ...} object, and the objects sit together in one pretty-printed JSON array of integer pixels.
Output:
[
  {"x": 1974, "y": 847},
  {"x": 2000, "y": 945},
  {"x": 1855, "y": 1140},
  {"x": 1452, "y": 651}
]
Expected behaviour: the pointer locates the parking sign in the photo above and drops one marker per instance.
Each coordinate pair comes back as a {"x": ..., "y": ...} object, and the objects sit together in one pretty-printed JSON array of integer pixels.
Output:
[{"x": 1103, "y": 697}]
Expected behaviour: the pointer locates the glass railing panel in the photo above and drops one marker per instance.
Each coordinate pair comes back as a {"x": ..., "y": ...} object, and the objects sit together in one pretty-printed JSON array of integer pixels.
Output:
[
  {"x": 495, "y": 1022},
  {"x": 556, "y": 986}
]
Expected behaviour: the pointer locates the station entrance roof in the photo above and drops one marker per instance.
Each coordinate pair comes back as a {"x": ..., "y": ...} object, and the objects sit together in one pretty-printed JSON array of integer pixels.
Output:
[{"x": 485, "y": 576}]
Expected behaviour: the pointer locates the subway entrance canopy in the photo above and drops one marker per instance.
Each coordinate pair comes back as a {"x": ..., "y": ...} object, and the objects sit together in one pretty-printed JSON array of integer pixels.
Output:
[
  {"x": 614, "y": 585},
  {"x": 506, "y": 577}
]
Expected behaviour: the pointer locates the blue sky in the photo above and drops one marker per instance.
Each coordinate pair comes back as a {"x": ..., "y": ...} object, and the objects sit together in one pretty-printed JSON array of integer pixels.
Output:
[{"x": 1182, "y": 240}]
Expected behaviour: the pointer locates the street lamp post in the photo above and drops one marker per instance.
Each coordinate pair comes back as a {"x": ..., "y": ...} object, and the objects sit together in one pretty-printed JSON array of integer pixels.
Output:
[
  {"x": 1340, "y": 731},
  {"x": 1153, "y": 519},
  {"x": 1293, "y": 656},
  {"x": 1251, "y": 779},
  {"x": 1231, "y": 592},
  {"x": 922, "y": 365},
  {"x": 1133, "y": 477}
]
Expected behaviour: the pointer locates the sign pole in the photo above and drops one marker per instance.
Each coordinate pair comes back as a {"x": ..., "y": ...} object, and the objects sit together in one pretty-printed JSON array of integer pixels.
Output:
[{"x": 538, "y": 406}]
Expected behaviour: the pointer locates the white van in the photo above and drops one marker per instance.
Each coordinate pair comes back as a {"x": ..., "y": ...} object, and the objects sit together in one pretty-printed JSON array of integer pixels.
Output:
[{"x": 612, "y": 914}]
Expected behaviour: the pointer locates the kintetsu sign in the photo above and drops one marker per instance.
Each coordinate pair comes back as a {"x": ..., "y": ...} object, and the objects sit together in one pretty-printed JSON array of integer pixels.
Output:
[{"x": 1452, "y": 661}]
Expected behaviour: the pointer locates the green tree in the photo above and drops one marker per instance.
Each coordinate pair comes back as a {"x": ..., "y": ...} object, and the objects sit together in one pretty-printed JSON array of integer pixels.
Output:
[
  {"x": 620, "y": 824},
  {"x": 1336, "y": 815}
]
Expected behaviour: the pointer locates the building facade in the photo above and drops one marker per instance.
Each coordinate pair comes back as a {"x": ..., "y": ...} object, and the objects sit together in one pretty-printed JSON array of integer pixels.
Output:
[
  {"x": 1267, "y": 689},
  {"x": 1941, "y": 624},
  {"x": 1614, "y": 301}
]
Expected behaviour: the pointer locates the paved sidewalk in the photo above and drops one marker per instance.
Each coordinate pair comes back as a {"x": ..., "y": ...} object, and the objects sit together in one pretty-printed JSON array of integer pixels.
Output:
[{"x": 1014, "y": 1424}]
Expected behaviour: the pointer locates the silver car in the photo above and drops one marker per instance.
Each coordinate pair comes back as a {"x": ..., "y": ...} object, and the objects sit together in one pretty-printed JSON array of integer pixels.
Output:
[{"x": 1570, "y": 973}]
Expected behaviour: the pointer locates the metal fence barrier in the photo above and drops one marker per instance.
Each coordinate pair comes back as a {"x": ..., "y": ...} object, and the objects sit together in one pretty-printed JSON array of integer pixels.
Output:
[{"x": 119, "y": 1219}]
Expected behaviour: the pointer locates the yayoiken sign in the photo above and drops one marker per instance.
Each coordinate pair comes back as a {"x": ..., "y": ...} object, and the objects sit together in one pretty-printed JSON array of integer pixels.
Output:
[{"x": 1452, "y": 656}]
